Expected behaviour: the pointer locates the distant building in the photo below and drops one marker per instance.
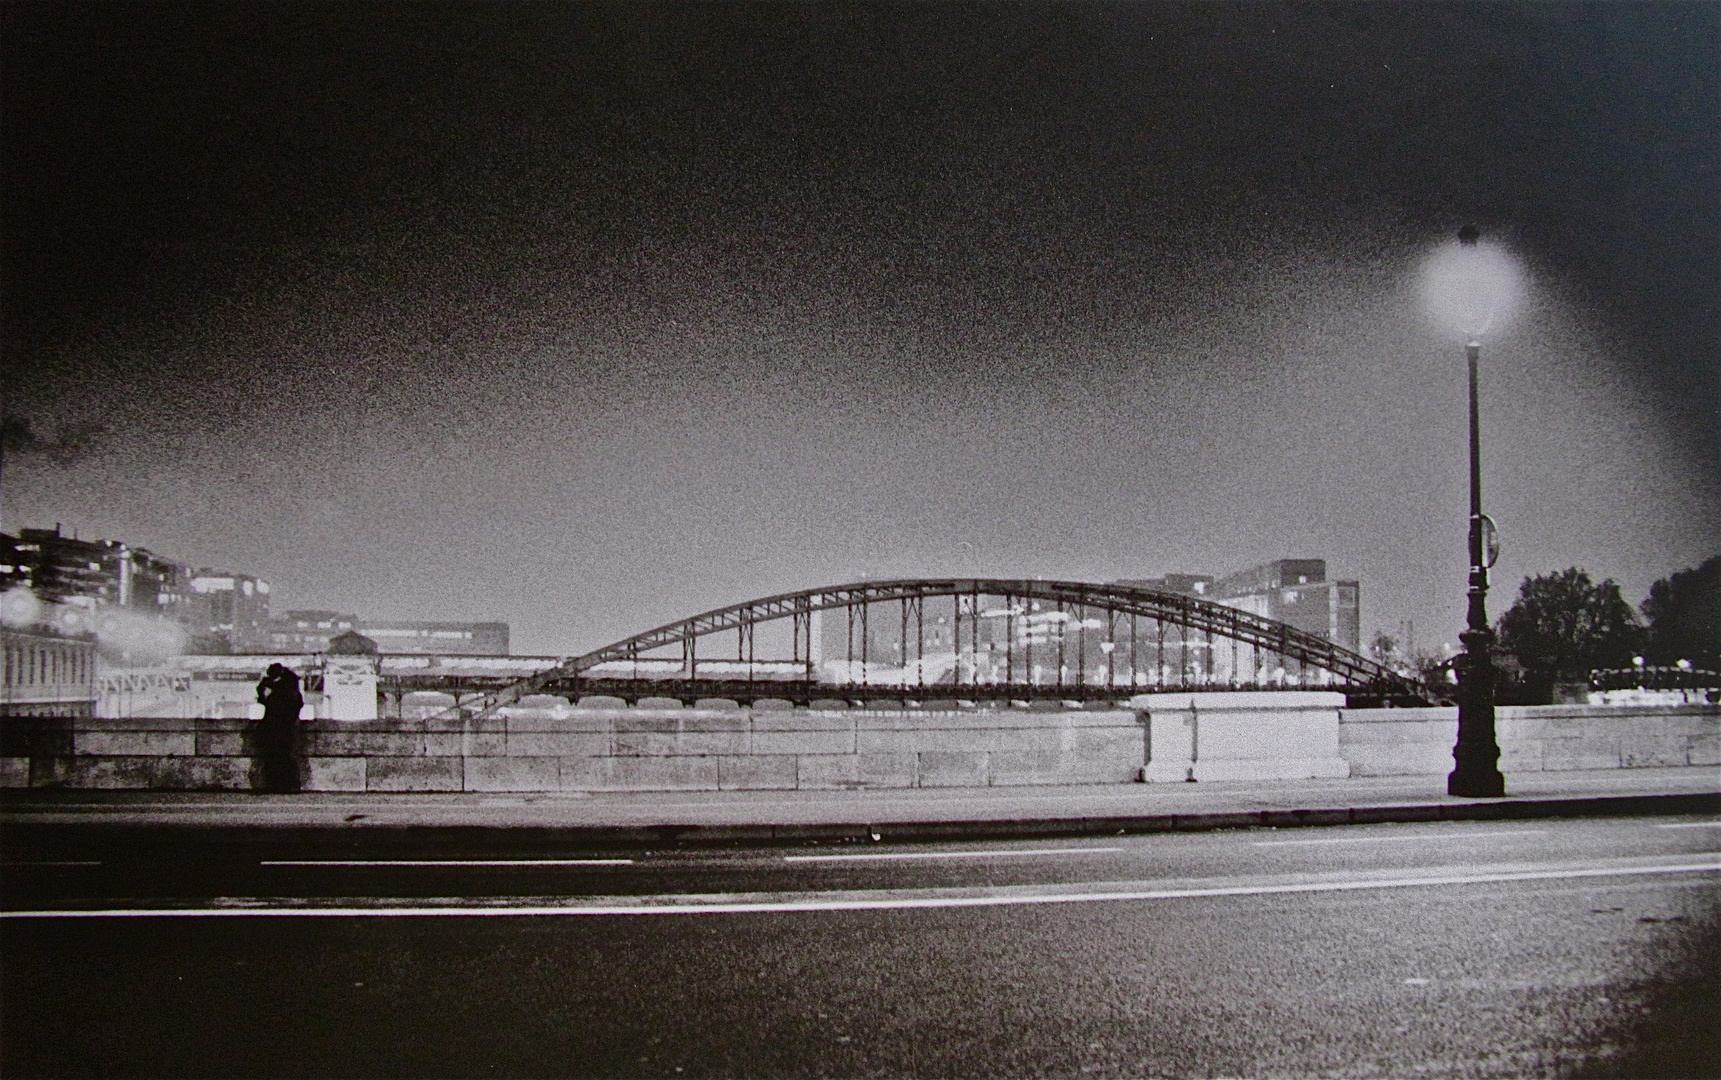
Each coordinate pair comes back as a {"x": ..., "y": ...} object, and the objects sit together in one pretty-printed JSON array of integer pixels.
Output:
[
  {"x": 44, "y": 673},
  {"x": 1186, "y": 584},
  {"x": 93, "y": 573},
  {"x": 311, "y": 631},
  {"x": 295, "y": 632},
  {"x": 401, "y": 637},
  {"x": 1296, "y": 591},
  {"x": 224, "y": 609}
]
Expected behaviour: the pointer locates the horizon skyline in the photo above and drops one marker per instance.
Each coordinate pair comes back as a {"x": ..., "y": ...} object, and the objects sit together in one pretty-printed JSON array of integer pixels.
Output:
[{"x": 1403, "y": 633}]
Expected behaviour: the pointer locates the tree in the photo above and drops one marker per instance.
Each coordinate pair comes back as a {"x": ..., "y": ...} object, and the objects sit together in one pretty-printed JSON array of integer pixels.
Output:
[
  {"x": 1563, "y": 626},
  {"x": 1684, "y": 615}
]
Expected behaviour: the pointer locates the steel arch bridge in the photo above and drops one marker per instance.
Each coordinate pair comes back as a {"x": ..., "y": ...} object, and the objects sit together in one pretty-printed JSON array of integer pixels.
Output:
[{"x": 968, "y": 639}]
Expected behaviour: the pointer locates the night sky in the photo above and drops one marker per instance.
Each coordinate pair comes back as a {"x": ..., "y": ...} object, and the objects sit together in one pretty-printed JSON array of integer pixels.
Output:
[{"x": 588, "y": 317}]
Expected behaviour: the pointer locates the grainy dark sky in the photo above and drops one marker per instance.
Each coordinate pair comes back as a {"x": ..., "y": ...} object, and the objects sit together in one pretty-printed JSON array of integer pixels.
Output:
[{"x": 592, "y": 316}]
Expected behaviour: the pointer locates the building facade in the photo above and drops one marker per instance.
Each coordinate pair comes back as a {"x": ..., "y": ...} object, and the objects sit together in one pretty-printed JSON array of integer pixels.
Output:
[
  {"x": 61, "y": 569},
  {"x": 401, "y": 637},
  {"x": 1296, "y": 591},
  {"x": 223, "y": 609},
  {"x": 310, "y": 632},
  {"x": 297, "y": 632},
  {"x": 45, "y": 673}
]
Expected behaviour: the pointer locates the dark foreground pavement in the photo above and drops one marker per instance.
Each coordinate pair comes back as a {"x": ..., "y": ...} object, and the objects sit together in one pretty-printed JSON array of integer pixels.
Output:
[{"x": 1553, "y": 947}]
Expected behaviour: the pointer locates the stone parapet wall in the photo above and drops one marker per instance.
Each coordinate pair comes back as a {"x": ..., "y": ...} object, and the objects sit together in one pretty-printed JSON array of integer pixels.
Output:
[
  {"x": 1167, "y": 737},
  {"x": 623, "y": 749},
  {"x": 1535, "y": 738}
]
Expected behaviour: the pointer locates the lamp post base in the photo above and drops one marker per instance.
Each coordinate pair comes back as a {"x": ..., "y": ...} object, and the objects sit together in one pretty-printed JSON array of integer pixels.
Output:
[
  {"x": 1476, "y": 783},
  {"x": 1476, "y": 757}
]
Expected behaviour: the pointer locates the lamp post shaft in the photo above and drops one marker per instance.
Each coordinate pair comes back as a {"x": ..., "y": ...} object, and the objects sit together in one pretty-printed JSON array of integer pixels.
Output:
[{"x": 1476, "y": 757}]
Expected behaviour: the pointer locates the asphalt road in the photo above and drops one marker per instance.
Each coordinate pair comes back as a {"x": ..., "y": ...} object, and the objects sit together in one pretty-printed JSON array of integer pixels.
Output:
[{"x": 1546, "y": 948}]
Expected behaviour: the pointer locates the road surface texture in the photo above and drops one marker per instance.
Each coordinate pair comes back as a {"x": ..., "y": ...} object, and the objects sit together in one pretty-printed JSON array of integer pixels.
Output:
[{"x": 1511, "y": 948}]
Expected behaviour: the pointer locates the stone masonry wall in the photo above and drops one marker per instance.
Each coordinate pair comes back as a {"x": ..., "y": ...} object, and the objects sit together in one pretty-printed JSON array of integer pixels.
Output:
[
  {"x": 644, "y": 749},
  {"x": 1535, "y": 738},
  {"x": 605, "y": 750}
]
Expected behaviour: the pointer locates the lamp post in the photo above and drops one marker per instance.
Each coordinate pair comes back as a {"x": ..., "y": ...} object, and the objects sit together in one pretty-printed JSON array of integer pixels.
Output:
[{"x": 1472, "y": 286}]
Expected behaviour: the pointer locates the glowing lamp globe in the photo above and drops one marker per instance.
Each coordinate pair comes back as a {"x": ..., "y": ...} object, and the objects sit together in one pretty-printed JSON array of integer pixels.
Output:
[{"x": 1471, "y": 286}]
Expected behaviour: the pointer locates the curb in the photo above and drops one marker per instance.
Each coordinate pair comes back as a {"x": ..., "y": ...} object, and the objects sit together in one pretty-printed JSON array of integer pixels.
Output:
[{"x": 364, "y": 836}]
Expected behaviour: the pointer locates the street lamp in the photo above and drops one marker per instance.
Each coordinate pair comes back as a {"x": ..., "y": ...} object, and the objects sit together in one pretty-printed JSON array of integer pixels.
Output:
[{"x": 1471, "y": 287}]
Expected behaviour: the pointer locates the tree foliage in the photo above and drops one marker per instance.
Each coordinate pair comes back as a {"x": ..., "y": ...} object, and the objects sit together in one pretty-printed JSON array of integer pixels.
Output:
[
  {"x": 1684, "y": 615},
  {"x": 1563, "y": 626}
]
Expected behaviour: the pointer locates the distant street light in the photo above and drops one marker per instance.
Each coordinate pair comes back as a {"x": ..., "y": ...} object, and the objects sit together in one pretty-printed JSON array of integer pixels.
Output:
[{"x": 1471, "y": 287}]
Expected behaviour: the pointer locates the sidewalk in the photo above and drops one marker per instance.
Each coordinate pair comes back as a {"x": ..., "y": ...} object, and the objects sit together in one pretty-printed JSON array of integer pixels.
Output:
[{"x": 631, "y": 818}]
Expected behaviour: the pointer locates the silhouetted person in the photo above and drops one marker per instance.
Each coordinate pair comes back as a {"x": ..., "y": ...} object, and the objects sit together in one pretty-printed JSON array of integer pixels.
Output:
[{"x": 278, "y": 734}]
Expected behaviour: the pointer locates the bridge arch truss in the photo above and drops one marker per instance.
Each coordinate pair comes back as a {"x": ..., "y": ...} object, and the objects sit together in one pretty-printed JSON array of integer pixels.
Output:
[{"x": 964, "y": 639}]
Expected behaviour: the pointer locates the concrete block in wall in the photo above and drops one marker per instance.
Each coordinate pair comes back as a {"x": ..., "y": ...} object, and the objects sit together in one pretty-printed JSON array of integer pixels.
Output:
[
  {"x": 886, "y": 770},
  {"x": 664, "y": 773},
  {"x": 14, "y": 772},
  {"x": 828, "y": 772},
  {"x": 1653, "y": 751},
  {"x": 584, "y": 773},
  {"x": 1405, "y": 733},
  {"x": 1108, "y": 743},
  {"x": 977, "y": 739},
  {"x": 645, "y": 743},
  {"x": 557, "y": 744},
  {"x": 334, "y": 774},
  {"x": 803, "y": 742},
  {"x": 1253, "y": 736},
  {"x": 648, "y": 723},
  {"x": 939, "y": 768},
  {"x": 203, "y": 774},
  {"x": 1170, "y": 746},
  {"x": 513, "y": 774},
  {"x": 414, "y": 774},
  {"x": 595, "y": 721},
  {"x": 353, "y": 741},
  {"x": 1020, "y": 767},
  {"x": 748, "y": 772},
  {"x": 1520, "y": 756},
  {"x": 51, "y": 771},
  {"x": 715, "y": 723},
  {"x": 222, "y": 744},
  {"x": 1276, "y": 768},
  {"x": 705, "y": 743},
  {"x": 1704, "y": 749},
  {"x": 134, "y": 743},
  {"x": 1520, "y": 724},
  {"x": 137, "y": 723},
  {"x": 1400, "y": 759},
  {"x": 773, "y": 720},
  {"x": 468, "y": 743},
  {"x": 887, "y": 741},
  {"x": 109, "y": 773},
  {"x": 1595, "y": 752},
  {"x": 962, "y": 720}
]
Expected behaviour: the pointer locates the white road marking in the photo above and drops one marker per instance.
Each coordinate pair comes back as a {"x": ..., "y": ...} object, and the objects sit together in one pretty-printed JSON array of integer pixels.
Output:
[
  {"x": 445, "y": 862},
  {"x": 1410, "y": 836},
  {"x": 1018, "y": 854},
  {"x": 1692, "y": 825},
  {"x": 884, "y": 899},
  {"x": 61, "y": 862}
]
